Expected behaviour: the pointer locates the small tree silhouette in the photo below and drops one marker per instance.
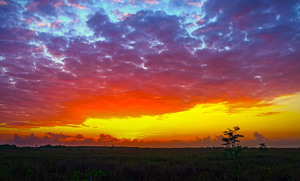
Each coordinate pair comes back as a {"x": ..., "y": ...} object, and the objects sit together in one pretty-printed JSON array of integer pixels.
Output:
[
  {"x": 263, "y": 147},
  {"x": 231, "y": 141}
]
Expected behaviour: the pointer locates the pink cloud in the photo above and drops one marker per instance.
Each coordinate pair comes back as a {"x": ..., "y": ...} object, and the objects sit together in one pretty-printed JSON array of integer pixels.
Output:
[
  {"x": 198, "y": 4},
  {"x": 78, "y": 6},
  {"x": 56, "y": 24},
  {"x": 58, "y": 4},
  {"x": 3, "y": 2},
  {"x": 152, "y": 1}
]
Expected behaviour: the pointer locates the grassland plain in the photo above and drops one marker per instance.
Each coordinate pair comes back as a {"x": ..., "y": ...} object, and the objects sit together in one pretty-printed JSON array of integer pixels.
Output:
[{"x": 120, "y": 163}]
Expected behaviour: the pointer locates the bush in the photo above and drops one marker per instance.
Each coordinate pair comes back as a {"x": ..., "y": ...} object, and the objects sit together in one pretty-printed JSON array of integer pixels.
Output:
[
  {"x": 231, "y": 142},
  {"x": 262, "y": 147}
]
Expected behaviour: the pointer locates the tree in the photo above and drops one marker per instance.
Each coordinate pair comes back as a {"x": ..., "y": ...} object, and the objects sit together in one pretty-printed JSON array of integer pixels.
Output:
[
  {"x": 263, "y": 147},
  {"x": 231, "y": 141}
]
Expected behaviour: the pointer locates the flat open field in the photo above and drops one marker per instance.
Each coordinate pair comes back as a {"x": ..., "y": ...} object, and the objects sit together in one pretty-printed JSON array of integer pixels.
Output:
[{"x": 104, "y": 163}]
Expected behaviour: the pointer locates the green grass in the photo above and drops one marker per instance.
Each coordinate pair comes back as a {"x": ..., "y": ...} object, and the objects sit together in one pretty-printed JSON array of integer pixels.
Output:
[{"x": 101, "y": 163}]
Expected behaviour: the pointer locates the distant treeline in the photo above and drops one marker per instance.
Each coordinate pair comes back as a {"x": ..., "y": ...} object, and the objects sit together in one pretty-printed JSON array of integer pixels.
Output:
[
  {"x": 8, "y": 147},
  {"x": 15, "y": 147}
]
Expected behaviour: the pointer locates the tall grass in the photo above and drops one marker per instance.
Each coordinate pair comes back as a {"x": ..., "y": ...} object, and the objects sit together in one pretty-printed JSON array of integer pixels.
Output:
[{"x": 103, "y": 163}]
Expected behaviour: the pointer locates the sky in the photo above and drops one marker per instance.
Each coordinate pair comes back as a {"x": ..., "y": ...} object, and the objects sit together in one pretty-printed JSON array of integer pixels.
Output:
[{"x": 149, "y": 73}]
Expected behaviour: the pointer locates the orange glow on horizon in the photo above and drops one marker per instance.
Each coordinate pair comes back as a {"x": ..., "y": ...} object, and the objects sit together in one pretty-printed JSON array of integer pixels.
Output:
[{"x": 200, "y": 121}]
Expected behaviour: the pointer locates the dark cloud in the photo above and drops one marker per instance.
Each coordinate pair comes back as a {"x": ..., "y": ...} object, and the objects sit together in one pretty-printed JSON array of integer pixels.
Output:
[
  {"x": 10, "y": 14},
  {"x": 43, "y": 7},
  {"x": 79, "y": 136},
  {"x": 102, "y": 26}
]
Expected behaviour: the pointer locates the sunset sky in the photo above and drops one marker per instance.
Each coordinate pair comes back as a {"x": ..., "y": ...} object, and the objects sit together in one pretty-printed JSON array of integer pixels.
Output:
[{"x": 161, "y": 73}]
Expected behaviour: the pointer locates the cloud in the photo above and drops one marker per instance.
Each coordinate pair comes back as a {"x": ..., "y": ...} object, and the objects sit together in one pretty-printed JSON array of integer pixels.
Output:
[
  {"x": 43, "y": 7},
  {"x": 108, "y": 140},
  {"x": 258, "y": 136},
  {"x": 268, "y": 113},
  {"x": 88, "y": 64}
]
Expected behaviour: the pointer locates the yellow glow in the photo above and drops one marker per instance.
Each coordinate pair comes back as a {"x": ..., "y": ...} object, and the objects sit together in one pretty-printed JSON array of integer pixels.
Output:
[
  {"x": 279, "y": 120},
  {"x": 282, "y": 117}
]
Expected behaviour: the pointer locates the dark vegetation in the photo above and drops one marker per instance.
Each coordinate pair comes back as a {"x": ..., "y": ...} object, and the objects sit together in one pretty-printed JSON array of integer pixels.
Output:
[
  {"x": 231, "y": 141},
  {"x": 118, "y": 163},
  {"x": 263, "y": 147}
]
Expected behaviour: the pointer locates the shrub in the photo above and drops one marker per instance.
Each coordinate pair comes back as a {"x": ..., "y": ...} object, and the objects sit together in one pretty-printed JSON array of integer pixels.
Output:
[
  {"x": 262, "y": 147},
  {"x": 231, "y": 141}
]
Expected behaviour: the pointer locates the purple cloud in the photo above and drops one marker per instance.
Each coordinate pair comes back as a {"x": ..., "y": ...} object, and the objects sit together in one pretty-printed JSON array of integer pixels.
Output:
[
  {"x": 55, "y": 56},
  {"x": 108, "y": 140}
]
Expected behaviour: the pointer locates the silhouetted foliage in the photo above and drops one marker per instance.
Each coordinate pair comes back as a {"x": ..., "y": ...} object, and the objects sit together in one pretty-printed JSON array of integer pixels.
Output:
[
  {"x": 48, "y": 146},
  {"x": 262, "y": 147},
  {"x": 8, "y": 147},
  {"x": 156, "y": 164},
  {"x": 231, "y": 141},
  {"x": 90, "y": 175}
]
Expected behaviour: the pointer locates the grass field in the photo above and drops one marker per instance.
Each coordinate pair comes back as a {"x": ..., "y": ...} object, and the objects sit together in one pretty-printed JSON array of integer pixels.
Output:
[{"x": 105, "y": 163}]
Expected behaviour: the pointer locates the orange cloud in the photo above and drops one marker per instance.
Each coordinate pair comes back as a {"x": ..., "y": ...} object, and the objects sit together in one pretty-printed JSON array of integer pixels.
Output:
[
  {"x": 125, "y": 15},
  {"x": 41, "y": 24},
  {"x": 58, "y": 4},
  {"x": 124, "y": 104},
  {"x": 268, "y": 113}
]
